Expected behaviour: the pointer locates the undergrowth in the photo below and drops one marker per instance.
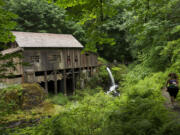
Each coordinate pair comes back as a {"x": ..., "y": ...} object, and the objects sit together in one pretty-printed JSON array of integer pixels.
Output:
[{"x": 139, "y": 110}]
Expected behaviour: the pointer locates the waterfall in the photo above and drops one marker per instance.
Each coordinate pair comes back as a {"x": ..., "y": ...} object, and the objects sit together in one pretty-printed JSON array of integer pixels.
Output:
[
  {"x": 111, "y": 76},
  {"x": 113, "y": 86}
]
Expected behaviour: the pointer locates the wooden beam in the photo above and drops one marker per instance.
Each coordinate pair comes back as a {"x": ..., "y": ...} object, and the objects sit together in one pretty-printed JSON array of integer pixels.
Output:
[
  {"x": 55, "y": 82},
  {"x": 64, "y": 78},
  {"x": 45, "y": 81}
]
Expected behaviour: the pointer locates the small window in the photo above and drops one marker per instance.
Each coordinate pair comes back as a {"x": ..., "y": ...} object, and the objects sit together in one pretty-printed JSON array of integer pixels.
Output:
[
  {"x": 76, "y": 59},
  {"x": 87, "y": 54},
  {"x": 68, "y": 59},
  {"x": 35, "y": 59}
]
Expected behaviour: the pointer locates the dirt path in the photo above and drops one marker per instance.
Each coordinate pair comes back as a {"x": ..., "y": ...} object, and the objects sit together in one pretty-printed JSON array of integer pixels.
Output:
[{"x": 176, "y": 107}]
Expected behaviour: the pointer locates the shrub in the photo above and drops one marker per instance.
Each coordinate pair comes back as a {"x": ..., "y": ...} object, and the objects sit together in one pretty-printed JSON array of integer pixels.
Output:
[
  {"x": 119, "y": 72},
  {"x": 59, "y": 99},
  {"x": 86, "y": 117},
  {"x": 139, "y": 116}
]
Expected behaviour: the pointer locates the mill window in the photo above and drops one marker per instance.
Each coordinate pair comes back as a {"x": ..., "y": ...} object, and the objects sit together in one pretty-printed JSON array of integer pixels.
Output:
[
  {"x": 76, "y": 59},
  {"x": 35, "y": 59},
  {"x": 68, "y": 59}
]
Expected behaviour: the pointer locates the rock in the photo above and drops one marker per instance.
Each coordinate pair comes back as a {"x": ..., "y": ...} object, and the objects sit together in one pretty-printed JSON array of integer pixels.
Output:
[
  {"x": 25, "y": 96},
  {"x": 32, "y": 95}
]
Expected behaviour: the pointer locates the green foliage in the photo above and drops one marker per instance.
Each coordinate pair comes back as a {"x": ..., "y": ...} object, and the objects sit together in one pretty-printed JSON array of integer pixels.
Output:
[
  {"x": 86, "y": 117},
  {"x": 139, "y": 110},
  {"x": 81, "y": 94},
  {"x": 9, "y": 100},
  {"x": 119, "y": 51},
  {"x": 149, "y": 86},
  {"x": 41, "y": 16},
  {"x": 148, "y": 29},
  {"x": 170, "y": 128},
  {"x": 101, "y": 77},
  {"x": 20, "y": 97},
  {"x": 7, "y": 24},
  {"x": 103, "y": 74},
  {"x": 59, "y": 99},
  {"x": 138, "y": 116},
  {"x": 37, "y": 16},
  {"x": 119, "y": 72},
  {"x": 142, "y": 111},
  {"x": 22, "y": 131},
  {"x": 91, "y": 15},
  {"x": 102, "y": 61}
]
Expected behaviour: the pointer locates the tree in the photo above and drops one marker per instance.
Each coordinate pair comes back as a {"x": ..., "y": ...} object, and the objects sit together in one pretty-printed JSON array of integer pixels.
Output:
[
  {"x": 92, "y": 15},
  {"x": 41, "y": 16},
  {"x": 148, "y": 25},
  {"x": 6, "y": 25},
  {"x": 120, "y": 50}
]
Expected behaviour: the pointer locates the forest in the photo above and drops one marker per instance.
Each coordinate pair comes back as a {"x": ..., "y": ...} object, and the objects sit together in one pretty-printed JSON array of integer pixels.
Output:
[{"x": 137, "y": 39}]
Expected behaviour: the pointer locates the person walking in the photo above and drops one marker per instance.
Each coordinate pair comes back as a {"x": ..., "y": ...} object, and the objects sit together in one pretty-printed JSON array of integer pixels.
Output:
[{"x": 172, "y": 86}]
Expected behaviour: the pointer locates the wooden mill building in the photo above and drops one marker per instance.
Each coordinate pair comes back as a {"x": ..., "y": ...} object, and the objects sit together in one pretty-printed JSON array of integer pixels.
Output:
[{"x": 53, "y": 60}]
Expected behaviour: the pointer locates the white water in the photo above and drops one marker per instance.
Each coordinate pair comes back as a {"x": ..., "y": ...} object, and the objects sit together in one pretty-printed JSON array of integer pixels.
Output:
[
  {"x": 111, "y": 76},
  {"x": 113, "y": 86}
]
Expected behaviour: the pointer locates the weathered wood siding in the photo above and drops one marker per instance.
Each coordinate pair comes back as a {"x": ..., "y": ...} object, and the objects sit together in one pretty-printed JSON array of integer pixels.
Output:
[
  {"x": 12, "y": 80},
  {"x": 56, "y": 59},
  {"x": 18, "y": 70}
]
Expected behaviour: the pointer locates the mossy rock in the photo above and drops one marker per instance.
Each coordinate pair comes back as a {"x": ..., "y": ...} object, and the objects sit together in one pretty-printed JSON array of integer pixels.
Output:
[
  {"x": 10, "y": 98},
  {"x": 32, "y": 95},
  {"x": 24, "y": 96}
]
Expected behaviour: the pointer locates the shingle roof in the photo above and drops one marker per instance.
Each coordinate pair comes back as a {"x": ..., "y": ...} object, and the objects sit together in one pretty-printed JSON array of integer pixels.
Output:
[
  {"x": 11, "y": 50},
  {"x": 30, "y": 39}
]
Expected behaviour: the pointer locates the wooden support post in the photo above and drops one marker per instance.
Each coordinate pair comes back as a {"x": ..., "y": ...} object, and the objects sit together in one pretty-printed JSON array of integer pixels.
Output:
[
  {"x": 64, "y": 78},
  {"x": 79, "y": 73},
  {"x": 73, "y": 80},
  {"x": 23, "y": 77},
  {"x": 88, "y": 72},
  {"x": 55, "y": 82},
  {"x": 34, "y": 77},
  {"x": 91, "y": 71},
  {"x": 45, "y": 81}
]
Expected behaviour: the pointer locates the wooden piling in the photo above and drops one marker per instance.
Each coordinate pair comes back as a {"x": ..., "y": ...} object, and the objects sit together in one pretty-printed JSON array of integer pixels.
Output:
[
  {"x": 23, "y": 77},
  {"x": 46, "y": 81},
  {"x": 73, "y": 80},
  {"x": 91, "y": 71},
  {"x": 79, "y": 73},
  {"x": 64, "y": 78},
  {"x": 55, "y": 82}
]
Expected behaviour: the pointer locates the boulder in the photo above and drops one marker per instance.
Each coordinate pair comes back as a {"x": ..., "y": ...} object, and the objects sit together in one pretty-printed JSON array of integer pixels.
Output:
[
  {"x": 25, "y": 96},
  {"x": 32, "y": 95}
]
